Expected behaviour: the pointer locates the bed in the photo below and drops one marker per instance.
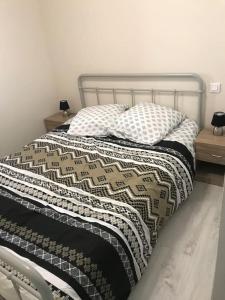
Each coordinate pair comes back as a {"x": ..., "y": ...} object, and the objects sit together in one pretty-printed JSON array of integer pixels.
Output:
[{"x": 80, "y": 216}]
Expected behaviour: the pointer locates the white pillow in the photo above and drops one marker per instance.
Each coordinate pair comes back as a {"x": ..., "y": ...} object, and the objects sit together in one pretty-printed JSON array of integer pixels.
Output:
[
  {"x": 146, "y": 123},
  {"x": 95, "y": 120}
]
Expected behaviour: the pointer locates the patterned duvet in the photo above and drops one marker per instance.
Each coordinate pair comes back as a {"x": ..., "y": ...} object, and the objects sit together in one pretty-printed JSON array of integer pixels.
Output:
[{"x": 89, "y": 210}]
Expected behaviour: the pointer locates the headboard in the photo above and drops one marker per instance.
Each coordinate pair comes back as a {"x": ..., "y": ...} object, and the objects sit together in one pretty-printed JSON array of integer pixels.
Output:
[{"x": 171, "y": 88}]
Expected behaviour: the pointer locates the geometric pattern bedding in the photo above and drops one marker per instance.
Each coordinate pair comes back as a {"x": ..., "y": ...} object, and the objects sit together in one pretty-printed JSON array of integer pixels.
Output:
[{"x": 89, "y": 209}]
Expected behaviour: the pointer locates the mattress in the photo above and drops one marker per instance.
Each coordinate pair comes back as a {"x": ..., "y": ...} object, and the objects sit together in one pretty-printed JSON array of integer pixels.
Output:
[{"x": 87, "y": 211}]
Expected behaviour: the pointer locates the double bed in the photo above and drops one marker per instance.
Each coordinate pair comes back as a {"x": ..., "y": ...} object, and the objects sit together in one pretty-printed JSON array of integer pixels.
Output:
[{"x": 83, "y": 213}]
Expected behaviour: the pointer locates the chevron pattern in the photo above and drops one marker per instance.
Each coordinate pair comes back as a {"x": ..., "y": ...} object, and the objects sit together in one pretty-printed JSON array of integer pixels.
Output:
[{"x": 147, "y": 188}]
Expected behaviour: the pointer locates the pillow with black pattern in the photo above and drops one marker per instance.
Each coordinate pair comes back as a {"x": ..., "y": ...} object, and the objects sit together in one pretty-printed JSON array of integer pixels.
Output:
[
  {"x": 95, "y": 120},
  {"x": 146, "y": 123}
]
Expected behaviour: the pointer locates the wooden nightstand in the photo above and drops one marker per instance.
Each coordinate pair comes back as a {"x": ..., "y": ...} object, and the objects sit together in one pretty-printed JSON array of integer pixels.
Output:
[
  {"x": 210, "y": 148},
  {"x": 210, "y": 153},
  {"x": 55, "y": 120}
]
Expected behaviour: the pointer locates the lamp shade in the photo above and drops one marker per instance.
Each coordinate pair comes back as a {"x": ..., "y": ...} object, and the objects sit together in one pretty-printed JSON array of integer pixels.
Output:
[
  {"x": 64, "y": 105},
  {"x": 218, "y": 119}
]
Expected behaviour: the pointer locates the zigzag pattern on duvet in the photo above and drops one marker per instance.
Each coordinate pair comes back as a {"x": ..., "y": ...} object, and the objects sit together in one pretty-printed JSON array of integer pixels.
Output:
[
  {"x": 89, "y": 158},
  {"x": 69, "y": 171},
  {"x": 34, "y": 159}
]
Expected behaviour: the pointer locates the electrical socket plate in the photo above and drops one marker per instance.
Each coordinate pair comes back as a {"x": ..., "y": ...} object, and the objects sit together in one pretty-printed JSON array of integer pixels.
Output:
[{"x": 215, "y": 87}]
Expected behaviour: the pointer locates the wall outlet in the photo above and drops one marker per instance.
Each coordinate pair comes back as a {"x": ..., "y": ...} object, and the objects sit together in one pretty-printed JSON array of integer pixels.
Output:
[{"x": 215, "y": 87}]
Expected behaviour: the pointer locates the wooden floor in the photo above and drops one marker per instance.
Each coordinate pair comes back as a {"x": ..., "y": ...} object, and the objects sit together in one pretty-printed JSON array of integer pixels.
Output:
[{"x": 182, "y": 265}]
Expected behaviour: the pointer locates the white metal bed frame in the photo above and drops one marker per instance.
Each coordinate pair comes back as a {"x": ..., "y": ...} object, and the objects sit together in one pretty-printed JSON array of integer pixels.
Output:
[
  {"x": 151, "y": 92},
  {"x": 43, "y": 291}
]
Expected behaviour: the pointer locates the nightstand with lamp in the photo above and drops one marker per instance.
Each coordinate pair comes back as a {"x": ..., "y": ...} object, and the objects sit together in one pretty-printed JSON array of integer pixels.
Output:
[
  {"x": 210, "y": 151},
  {"x": 59, "y": 118}
]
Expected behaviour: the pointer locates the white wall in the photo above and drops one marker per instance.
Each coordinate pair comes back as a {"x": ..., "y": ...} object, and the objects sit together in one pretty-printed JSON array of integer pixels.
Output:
[
  {"x": 27, "y": 91},
  {"x": 136, "y": 36},
  {"x": 41, "y": 55}
]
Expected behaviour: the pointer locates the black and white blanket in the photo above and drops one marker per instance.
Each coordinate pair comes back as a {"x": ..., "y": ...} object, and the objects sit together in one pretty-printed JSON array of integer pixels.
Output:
[{"x": 89, "y": 210}]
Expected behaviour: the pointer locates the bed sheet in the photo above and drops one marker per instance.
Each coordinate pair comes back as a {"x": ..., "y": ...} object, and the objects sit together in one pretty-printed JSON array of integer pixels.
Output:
[{"x": 185, "y": 134}]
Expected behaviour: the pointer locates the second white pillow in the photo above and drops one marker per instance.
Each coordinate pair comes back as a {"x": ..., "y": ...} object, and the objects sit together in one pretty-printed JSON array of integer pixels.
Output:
[{"x": 146, "y": 123}]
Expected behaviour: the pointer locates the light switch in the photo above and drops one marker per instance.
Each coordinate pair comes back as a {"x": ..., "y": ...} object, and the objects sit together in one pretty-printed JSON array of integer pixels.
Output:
[{"x": 215, "y": 87}]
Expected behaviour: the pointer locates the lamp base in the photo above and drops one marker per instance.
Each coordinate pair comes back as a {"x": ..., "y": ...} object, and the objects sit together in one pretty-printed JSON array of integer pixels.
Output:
[
  {"x": 218, "y": 131},
  {"x": 66, "y": 113}
]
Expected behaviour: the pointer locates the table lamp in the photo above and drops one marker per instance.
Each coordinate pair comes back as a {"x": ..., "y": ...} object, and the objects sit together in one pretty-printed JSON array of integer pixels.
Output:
[
  {"x": 218, "y": 121},
  {"x": 64, "y": 106}
]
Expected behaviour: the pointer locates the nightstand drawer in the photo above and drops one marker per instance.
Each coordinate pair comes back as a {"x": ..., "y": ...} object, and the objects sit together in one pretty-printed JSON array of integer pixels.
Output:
[
  {"x": 51, "y": 125},
  {"x": 210, "y": 153}
]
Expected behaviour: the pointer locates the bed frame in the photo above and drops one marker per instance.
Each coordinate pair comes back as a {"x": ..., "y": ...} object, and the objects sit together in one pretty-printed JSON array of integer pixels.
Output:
[
  {"x": 85, "y": 88},
  {"x": 42, "y": 290}
]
